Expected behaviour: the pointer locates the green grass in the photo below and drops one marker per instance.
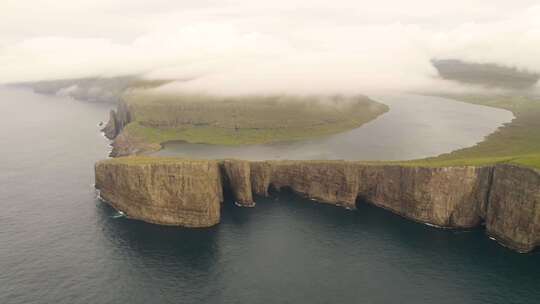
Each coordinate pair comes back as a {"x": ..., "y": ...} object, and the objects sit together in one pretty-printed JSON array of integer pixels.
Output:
[
  {"x": 517, "y": 142},
  {"x": 226, "y": 136},
  {"x": 161, "y": 118},
  {"x": 149, "y": 160}
]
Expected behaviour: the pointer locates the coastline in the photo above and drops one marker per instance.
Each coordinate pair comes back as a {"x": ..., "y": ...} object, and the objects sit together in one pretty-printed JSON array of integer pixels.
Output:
[{"x": 168, "y": 191}]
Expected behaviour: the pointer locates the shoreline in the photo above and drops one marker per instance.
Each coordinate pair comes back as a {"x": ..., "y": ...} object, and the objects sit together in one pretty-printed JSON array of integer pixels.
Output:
[{"x": 355, "y": 144}]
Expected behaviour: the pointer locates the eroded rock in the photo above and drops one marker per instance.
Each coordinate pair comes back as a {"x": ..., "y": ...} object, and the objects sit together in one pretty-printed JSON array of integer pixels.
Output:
[
  {"x": 188, "y": 193},
  {"x": 111, "y": 129},
  {"x": 513, "y": 211},
  {"x": 237, "y": 177}
]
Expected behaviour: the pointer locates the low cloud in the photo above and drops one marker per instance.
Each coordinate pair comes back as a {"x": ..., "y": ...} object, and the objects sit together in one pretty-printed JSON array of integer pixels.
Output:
[{"x": 254, "y": 47}]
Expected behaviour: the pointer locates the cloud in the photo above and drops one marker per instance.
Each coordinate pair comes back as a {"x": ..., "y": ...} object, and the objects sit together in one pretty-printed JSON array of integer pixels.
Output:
[{"x": 261, "y": 47}]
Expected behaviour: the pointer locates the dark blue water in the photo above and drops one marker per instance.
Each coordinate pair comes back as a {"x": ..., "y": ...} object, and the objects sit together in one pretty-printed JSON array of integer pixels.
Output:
[{"x": 59, "y": 244}]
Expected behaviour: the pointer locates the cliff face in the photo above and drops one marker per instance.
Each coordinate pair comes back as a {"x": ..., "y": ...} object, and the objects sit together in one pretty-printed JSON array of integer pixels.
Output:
[
  {"x": 333, "y": 182},
  {"x": 237, "y": 177},
  {"x": 111, "y": 128},
  {"x": 506, "y": 197},
  {"x": 117, "y": 121},
  {"x": 513, "y": 212},
  {"x": 447, "y": 197},
  {"x": 124, "y": 143},
  {"x": 184, "y": 193}
]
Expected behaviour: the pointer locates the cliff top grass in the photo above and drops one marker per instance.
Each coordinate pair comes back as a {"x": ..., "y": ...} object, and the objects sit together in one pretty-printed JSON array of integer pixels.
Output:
[
  {"x": 150, "y": 160},
  {"x": 158, "y": 118},
  {"x": 532, "y": 162}
]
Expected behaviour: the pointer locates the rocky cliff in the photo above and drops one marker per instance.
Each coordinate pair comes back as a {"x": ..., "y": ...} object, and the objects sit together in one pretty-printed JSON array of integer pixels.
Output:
[
  {"x": 505, "y": 197},
  {"x": 124, "y": 143},
  {"x": 186, "y": 193},
  {"x": 513, "y": 210},
  {"x": 117, "y": 120},
  {"x": 237, "y": 178}
]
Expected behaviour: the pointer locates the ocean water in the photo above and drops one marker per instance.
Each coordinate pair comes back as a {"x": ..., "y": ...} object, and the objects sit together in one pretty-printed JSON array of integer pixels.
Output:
[{"x": 59, "y": 244}]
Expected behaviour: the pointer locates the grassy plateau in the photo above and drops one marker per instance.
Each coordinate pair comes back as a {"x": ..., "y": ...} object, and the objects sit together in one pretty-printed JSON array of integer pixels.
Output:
[
  {"x": 253, "y": 120},
  {"x": 158, "y": 118}
]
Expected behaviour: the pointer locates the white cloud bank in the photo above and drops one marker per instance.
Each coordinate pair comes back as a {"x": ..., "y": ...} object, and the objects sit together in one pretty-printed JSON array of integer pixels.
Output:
[{"x": 246, "y": 47}]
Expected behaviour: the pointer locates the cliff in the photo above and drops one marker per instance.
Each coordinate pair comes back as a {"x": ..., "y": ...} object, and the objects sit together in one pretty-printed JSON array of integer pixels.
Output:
[
  {"x": 505, "y": 197},
  {"x": 117, "y": 121},
  {"x": 513, "y": 211},
  {"x": 446, "y": 197},
  {"x": 237, "y": 178},
  {"x": 124, "y": 143},
  {"x": 186, "y": 193}
]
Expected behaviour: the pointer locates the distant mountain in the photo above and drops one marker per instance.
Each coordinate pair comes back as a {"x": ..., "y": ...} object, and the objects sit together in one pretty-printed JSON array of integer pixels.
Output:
[
  {"x": 86, "y": 89},
  {"x": 93, "y": 89},
  {"x": 486, "y": 74}
]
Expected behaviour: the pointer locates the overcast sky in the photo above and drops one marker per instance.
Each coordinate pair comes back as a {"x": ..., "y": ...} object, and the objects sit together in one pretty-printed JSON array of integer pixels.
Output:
[{"x": 263, "y": 46}]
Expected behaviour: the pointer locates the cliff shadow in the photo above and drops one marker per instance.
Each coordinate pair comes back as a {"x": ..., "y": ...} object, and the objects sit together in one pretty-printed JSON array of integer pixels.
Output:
[
  {"x": 361, "y": 200},
  {"x": 228, "y": 193},
  {"x": 176, "y": 247}
]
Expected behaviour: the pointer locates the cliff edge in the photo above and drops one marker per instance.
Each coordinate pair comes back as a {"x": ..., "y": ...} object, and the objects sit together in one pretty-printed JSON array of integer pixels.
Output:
[
  {"x": 182, "y": 193},
  {"x": 188, "y": 193}
]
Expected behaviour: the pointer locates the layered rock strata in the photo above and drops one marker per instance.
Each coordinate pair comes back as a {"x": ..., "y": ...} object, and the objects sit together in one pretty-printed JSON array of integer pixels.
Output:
[
  {"x": 186, "y": 193},
  {"x": 237, "y": 178},
  {"x": 513, "y": 210},
  {"x": 505, "y": 197}
]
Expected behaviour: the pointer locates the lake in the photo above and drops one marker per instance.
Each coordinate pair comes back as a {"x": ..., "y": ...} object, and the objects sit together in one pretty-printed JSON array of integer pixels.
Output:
[{"x": 416, "y": 126}]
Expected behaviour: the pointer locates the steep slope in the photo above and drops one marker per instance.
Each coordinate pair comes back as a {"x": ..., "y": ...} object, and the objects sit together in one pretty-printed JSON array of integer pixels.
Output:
[{"x": 188, "y": 193}]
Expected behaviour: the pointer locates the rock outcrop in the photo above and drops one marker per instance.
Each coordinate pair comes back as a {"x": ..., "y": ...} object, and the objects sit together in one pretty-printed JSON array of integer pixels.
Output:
[
  {"x": 186, "y": 193},
  {"x": 505, "y": 197},
  {"x": 117, "y": 121},
  {"x": 125, "y": 144},
  {"x": 236, "y": 177},
  {"x": 111, "y": 128}
]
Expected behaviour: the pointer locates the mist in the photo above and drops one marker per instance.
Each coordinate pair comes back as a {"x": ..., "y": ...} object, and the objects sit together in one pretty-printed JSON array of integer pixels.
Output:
[{"x": 255, "y": 47}]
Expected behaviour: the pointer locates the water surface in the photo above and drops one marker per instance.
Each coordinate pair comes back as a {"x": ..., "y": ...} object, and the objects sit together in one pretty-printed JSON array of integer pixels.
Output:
[
  {"x": 416, "y": 126},
  {"x": 59, "y": 244}
]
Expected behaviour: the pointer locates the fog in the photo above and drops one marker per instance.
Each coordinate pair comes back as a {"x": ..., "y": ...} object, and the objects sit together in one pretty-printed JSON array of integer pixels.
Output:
[{"x": 256, "y": 47}]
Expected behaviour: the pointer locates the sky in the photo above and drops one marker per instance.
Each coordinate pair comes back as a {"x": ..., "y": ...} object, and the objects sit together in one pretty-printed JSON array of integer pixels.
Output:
[{"x": 251, "y": 47}]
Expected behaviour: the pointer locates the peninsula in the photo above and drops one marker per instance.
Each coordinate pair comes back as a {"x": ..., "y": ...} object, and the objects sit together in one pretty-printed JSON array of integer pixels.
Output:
[{"x": 145, "y": 119}]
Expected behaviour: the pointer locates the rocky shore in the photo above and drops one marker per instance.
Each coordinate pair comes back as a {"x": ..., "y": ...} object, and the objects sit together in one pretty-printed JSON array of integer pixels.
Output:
[{"x": 505, "y": 198}]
